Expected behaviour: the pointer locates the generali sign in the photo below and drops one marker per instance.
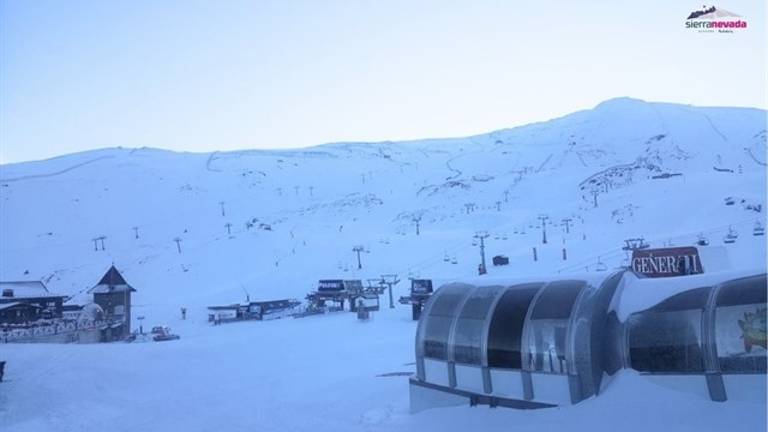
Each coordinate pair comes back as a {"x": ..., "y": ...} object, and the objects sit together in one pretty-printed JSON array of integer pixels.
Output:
[{"x": 667, "y": 262}]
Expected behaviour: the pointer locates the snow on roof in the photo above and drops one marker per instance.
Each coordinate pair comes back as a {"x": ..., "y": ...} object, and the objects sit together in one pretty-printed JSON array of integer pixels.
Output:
[
  {"x": 228, "y": 307},
  {"x": 9, "y": 305},
  {"x": 636, "y": 294},
  {"x": 4, "y": 306},
  {"x": 111, "y": 281},
  {"x": 26, "y": 289}
]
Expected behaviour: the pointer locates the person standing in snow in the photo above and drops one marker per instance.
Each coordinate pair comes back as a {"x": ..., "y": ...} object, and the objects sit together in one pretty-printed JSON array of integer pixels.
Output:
[{"x": 2, "y": 370}]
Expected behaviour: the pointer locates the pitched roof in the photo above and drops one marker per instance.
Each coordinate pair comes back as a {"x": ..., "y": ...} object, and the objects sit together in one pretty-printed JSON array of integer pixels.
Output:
[
  {"x": 112, "y": 277},
  {"x": 112, "y": 281},
  {"x": 26, "y": 289}
]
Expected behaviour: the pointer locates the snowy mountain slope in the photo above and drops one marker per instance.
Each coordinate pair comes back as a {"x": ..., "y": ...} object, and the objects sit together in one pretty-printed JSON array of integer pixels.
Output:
[{"x": 322, "y": 201}]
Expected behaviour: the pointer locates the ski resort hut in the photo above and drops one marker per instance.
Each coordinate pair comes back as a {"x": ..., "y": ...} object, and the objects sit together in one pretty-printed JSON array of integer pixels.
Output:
[
  {"x": 113, "y": 295},
  {"x": 334, "y": 291},
  {"x": 421, "y": 291},
  {"x": 223, "y": 314},
  {"x": 28, "y": 301}
]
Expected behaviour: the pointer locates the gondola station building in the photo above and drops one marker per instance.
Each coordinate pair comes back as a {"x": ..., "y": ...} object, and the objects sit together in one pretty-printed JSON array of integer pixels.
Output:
[{"x": 557, "y": 341}]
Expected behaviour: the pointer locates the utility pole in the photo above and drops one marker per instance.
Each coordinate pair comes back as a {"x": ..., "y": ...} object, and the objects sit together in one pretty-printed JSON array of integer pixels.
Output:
[
  {"x": 482, "y": 235},
  {"x": 95, "y": 244},
  {"x": 594, "y": 197},
  {"x": 567, "y": 223},
  {"x": 358, "y": 249},
  {"x": 311, "y": 191},
  {"x": 543, "y": 219},
  {"x": 389, "y": 280},
  {"x": 229, "y": 228},
  {"x": 178, "y": 243},
  {"x": 296, "y": 189},
  {"x": 417, "y": 221},
  {"x": 136, "y": 230},
  {"x": 223, "y": 213},
  {"x": 498, "y": 205},
  {"x": 506, "y": 196},
  {"x": 102, "y": 242}
]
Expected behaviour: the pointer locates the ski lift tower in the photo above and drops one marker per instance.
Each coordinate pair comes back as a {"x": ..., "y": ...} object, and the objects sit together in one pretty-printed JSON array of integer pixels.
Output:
[
  {"x": 481, "y": 236},
  {"x": 389, "y": 280}
]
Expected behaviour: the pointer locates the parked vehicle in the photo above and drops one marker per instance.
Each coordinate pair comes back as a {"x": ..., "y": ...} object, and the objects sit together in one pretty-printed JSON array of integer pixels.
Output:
[{"x": 163, "y": 334}]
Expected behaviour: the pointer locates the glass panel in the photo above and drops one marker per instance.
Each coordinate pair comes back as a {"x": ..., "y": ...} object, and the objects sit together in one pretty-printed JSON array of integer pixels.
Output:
[
  {"x": 547, "y": 346},
  {"x": 557, "y": 300},
  {"x": 446, "y": 300},
  {"x": 744, "y": 291},
  {"x": 740, "y": 326},
  {"x": 467, "y": 342},
  {"x": 686, "y": 300},
  {"x": 666, "y": 341},
  {"x": 470, "y": 326},
  {"x": 549, "y": 325},
  {"x": 441, "y": 316},
  {"x": 506, "y": 331},
  {"x": 436, "y": 337}
]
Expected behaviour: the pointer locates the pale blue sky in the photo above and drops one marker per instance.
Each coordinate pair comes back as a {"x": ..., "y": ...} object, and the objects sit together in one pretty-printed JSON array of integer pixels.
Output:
[{"x": 219, "y": 75}]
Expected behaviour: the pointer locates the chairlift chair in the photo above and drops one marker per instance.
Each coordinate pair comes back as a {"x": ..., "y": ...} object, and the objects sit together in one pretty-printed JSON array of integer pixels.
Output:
[
  {"x": 759, "y": 229},
  {"x": 601, "y": 267},
  {"x": 702, "y": 241},
  {"x": 731, "y": 236}
]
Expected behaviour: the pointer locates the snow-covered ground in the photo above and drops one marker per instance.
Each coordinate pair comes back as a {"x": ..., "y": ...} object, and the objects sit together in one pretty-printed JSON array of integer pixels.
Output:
[{"x": 320, "y": 373}]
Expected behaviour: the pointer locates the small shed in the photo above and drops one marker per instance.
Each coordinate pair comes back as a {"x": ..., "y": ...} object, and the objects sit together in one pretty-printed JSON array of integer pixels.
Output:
[
  {"x": 219, "y": 314},
  {"x": 369, "y": 302},
  {"x": 271, "y": 309}
]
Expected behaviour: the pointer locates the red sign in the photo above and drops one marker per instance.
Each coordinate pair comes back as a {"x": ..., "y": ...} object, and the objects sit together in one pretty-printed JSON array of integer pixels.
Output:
[{"x": 667, "y": 262}]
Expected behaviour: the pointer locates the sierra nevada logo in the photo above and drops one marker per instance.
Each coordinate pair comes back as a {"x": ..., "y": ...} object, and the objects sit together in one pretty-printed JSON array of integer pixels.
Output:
[{"x": 710, "y": 19}]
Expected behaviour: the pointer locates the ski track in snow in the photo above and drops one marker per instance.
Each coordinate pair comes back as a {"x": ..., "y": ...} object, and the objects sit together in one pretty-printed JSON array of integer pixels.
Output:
[{"x": 56, "y": 173}]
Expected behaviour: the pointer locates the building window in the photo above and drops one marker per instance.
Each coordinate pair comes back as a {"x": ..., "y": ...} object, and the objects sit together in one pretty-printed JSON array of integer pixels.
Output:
[
  {"x": 666, "y": 342},
  {"x": 506, "y": 330},
  {"x": 740, "y": 326},
  {"x": 667, "y": 337}
]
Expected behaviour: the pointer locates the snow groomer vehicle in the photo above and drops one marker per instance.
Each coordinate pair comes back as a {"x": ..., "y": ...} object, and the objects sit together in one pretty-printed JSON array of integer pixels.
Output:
[{"x": 546, "y": 342}]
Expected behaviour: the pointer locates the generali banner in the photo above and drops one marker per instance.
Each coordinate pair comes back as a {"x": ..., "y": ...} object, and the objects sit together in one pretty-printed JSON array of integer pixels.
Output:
[{"x": 667, "y": 262}]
